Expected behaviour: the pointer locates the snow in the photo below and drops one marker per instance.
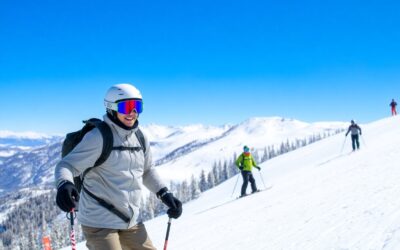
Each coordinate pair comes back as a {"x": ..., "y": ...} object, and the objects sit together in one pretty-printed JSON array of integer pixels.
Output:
[
  {"x": 25, "y": 195},
  {"x": 257, "y": 133},
  {"x": 8, "y": 151},
  {"x": 165, "y": 139},
  {"x": 25, "y": 135},
  {"x": 322, "y": 197}
]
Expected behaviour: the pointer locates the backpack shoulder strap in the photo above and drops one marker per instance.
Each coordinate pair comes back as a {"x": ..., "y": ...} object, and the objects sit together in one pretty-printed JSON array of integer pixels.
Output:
[
  {"x": 140, "y": 136},
  {"x": 108, "y": 141}
]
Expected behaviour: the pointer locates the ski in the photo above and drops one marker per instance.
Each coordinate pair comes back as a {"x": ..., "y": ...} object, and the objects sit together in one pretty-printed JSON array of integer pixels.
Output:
[
  {"x": 258, "y": 191},
  {"x": 230, "y": 201}
]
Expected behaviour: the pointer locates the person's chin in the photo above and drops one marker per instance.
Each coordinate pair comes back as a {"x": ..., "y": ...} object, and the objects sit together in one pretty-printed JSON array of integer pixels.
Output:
[{"x": 129, "y": 124}]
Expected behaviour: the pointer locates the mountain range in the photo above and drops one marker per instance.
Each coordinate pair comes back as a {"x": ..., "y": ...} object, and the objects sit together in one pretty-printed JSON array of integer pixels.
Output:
[{"x": 178, "y": 151}]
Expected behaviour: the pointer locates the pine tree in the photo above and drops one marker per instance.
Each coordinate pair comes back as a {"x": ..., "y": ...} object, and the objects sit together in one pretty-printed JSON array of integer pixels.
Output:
[
  {"x": 210, "y": 180},
  {"x": 203, "y": 181},
  {"x": 224, "y": 174},
  {"x": 256, "y": 155},
  {"x": 215, "y": 173},
  {"x": 194, "y": 188},
  {"x": 185, "y": 192}
]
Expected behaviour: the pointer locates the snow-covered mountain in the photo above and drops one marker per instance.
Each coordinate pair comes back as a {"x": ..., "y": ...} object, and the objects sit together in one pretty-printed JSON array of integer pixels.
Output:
[
  {"x": 26, "y": 139},
  {"x": 22, "y": 156},
  {"x": 29, "y": 168},
  {"x": 258, "y": 133},
  {"x": 15, "y": 142},
  {"x": 323, "y": 196},
  {"x": 179, "y": 152},
  {"x": 167, "y": 139}
]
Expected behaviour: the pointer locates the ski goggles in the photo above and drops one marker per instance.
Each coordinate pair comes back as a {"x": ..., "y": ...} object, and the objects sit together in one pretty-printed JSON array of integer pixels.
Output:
[{"x": 127, "y": 106}]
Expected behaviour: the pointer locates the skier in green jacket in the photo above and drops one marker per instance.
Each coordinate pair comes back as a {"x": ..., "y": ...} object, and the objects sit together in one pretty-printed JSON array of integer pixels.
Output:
[{"x": 245, "y": 162}]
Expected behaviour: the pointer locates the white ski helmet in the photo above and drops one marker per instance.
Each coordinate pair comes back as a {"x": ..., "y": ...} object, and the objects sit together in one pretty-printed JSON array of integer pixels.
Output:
[{"x": 119, "y": 92}]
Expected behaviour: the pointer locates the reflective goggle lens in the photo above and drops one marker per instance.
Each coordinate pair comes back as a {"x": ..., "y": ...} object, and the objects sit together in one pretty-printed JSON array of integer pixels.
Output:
[{"x": 126, "y": 107}]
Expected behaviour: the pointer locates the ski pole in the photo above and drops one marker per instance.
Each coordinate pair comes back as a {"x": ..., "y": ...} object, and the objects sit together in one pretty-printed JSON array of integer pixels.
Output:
[
  {"x": 341, "y": 150},
  {"x": 71, "y": 218},
  {"x": 265, "y": 187},
  {"x": 235, "y": 185},
  {"x": 362, "y": 139},
  {"x": 167, "y": 236}
]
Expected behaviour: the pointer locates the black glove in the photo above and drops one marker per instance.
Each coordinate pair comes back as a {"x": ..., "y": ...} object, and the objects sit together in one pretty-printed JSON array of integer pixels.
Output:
[
  {"x": 67, "y": 196},
  {"x": 241, "y": 168},
  {"x": 258, "y": 168},
  {"x": 174, "y": 205}
]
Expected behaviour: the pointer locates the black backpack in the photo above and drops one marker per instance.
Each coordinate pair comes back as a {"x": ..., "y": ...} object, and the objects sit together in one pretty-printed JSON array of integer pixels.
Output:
[{"x": 74, "y": 138}]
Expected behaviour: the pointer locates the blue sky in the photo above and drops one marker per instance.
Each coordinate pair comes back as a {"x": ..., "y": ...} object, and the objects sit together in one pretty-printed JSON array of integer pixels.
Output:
[{"x": 210, "y": 62}]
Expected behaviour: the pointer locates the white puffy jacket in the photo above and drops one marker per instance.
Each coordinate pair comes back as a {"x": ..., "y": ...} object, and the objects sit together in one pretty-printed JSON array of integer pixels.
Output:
[{"x": 115, "y": 181}]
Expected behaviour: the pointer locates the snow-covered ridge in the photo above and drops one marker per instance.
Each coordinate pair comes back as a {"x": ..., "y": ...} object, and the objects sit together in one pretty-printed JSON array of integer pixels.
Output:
[
  {"x": 257, "y": 132},
  {"x": 25, "y": 139},
  {"x": 12, "y": 143},
  {"x": 24, "y": 135}
]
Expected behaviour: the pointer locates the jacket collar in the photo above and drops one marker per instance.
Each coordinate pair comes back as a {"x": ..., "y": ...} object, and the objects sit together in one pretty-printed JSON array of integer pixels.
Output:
[{"x": 118, "y": 129}]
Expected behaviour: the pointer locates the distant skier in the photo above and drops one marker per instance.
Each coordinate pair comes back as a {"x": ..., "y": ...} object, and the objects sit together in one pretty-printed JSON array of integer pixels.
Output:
[
  {"x": 245, "y": 162},
  {"x": 393, "y": 104},
  {"x": 355, "y": 131}
]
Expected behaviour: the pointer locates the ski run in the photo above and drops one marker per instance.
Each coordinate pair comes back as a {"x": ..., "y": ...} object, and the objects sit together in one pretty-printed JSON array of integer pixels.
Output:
[{"x": 323, "y": 197}]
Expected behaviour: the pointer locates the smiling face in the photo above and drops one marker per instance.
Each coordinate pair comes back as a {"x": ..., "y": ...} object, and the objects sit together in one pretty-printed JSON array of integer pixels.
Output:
[{"x": 129, "y": 119}]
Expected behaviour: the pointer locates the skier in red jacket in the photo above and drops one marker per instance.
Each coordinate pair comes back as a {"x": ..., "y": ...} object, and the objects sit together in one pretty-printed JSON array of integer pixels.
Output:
[{"x": 393, "y": 104}]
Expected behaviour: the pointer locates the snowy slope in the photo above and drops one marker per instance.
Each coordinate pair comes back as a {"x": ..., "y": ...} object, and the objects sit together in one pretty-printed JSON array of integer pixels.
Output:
[
  {"x": 165, "y": 139},
  {"x": 258, "y": 133},
  {"x": 17, "y": 198},
  {"x": 321, "y": 198}
]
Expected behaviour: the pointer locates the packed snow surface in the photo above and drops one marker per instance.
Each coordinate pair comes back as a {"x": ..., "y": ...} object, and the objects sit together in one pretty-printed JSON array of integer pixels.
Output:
[{"x": 323, "y": 196}]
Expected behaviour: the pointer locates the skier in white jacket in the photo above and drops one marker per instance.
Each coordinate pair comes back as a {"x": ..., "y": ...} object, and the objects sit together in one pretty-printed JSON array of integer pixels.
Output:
[{"x": 116, "y": 181}]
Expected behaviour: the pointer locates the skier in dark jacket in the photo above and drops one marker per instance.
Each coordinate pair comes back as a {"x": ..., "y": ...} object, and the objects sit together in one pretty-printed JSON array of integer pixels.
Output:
[
  {"x": 355, "y": 131},
  {"x": 245, "y": 162},
  {"x": 393, "y": 104}
]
